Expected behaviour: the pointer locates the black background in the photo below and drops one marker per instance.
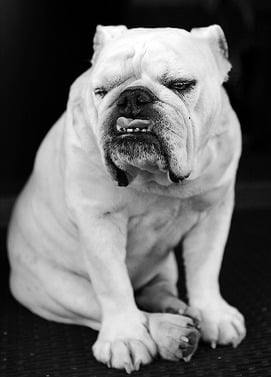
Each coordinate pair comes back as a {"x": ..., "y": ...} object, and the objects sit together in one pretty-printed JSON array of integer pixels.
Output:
[{"x": 45, "y": 45}]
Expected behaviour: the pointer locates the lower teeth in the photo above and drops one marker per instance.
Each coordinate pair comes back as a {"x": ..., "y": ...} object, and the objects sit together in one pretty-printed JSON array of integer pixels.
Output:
[{"x": 130, "y": 130}]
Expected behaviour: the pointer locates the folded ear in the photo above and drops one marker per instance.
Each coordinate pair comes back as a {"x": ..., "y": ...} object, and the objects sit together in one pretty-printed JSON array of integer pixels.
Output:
[
  {"x": 105, "y": 34},
  {"x": 216, "y": 40}
]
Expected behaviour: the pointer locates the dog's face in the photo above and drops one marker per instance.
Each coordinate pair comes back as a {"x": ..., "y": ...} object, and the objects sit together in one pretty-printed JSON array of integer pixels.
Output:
[{"x": 157, "y": 95}]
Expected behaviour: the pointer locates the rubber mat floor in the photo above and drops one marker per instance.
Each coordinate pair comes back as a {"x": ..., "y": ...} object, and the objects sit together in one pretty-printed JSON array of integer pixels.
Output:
[{"x": 32, "y": 346}]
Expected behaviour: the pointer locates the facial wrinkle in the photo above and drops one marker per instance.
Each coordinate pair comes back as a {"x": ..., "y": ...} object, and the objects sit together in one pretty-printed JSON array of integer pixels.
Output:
[{"x": 137, "y": 62}]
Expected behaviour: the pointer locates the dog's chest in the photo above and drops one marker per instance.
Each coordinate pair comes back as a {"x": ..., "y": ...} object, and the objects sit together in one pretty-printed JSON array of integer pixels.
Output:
[
  {"x": 152, "y": 222},
  {"x": 154, "y": 228}
]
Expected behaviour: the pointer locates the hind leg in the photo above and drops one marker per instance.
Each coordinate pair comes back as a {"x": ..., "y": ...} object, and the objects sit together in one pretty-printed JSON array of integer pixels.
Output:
[
  {"x": 56, "y": 294},
  {"x": 161, "y": 294},
  {"x": 174, "y": 331}
]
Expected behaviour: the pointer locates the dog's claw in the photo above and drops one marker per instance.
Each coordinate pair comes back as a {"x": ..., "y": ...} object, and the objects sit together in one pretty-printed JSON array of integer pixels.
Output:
[
  {"x": 137, "y": 365},
  {"x": 235, "y": 343},
  {"x": 191, "y": 345},
  {"x": 186, "y": 359},
  {"x": 181, "y": 311},
  {"x": 213, "y": 345},
  {"x": 128, "y": 368}
]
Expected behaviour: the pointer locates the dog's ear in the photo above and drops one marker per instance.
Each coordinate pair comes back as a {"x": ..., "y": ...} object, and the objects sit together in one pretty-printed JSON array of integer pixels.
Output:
[
  {"x": 105, "y": 34},
  {"x": 215, "y": 38}
]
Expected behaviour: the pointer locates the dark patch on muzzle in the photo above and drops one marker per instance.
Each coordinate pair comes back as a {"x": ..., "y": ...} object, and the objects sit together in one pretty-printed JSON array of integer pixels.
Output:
[
  {"x": 118, "y": 175},
  {"x": 121, "y": 177},
  {"x": 174, "y": 178}
]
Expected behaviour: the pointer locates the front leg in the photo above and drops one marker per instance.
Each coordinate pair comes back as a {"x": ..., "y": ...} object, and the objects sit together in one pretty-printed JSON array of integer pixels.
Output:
[
  {"x": 124, "y": 340},
  {"x": 203, "y": 252}
]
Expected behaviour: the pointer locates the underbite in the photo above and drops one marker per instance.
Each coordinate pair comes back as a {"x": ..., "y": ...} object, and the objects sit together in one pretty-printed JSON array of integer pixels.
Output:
[{"x": 129, "y": 126}]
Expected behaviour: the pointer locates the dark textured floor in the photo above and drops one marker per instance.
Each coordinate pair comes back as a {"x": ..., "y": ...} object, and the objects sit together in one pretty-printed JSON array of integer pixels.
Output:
[{"x": 31, "y": 346}]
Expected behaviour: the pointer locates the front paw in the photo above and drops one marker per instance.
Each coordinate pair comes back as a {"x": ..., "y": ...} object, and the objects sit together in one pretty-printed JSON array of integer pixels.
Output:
[
  {"x": 220, "y": 323},
  {"x": 175, "y": 335},
  {"x": 125, "y": 344}
]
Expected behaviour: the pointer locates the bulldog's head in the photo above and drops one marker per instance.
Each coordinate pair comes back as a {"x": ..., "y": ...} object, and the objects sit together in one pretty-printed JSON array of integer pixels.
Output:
[{"x": 157, "y": 94}]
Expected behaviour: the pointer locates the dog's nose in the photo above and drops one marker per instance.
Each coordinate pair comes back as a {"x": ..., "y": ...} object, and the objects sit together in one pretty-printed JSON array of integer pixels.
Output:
[{"x": 132, "y": 100}]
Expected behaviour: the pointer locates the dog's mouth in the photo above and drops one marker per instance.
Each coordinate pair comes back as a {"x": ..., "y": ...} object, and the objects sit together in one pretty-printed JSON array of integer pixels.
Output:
[
  {"x": 129, "y": 126},
  {"x": 133, "y": 145},
  {"x": 136, "y": 145}
]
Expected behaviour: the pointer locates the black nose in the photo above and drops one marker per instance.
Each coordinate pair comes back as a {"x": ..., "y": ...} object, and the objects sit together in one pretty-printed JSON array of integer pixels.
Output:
[{"x": 132, "y": 101}]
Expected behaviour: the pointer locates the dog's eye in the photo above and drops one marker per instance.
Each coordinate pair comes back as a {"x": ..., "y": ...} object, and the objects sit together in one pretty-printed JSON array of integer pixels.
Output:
[
  {"x": 100, "y": 92},
  {"x": 182, "y": 86}
]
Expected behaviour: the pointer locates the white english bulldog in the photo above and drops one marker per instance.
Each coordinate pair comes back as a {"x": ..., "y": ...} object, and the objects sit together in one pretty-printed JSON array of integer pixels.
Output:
[{"x": 145, "y": 156}]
